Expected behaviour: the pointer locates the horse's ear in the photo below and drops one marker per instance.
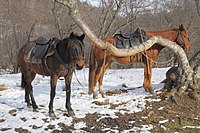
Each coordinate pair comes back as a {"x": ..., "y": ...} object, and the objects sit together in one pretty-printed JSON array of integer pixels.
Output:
[
  {"x": 71, "y": 35},
  {"x": 82, "y": 36},
  {"x": 181, "y": 27}
]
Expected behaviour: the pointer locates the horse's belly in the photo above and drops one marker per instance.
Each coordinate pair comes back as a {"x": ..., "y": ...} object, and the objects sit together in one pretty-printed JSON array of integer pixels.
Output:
[
  {"x": 37, "y": 68},
  {"x": 124, "y": 60}
]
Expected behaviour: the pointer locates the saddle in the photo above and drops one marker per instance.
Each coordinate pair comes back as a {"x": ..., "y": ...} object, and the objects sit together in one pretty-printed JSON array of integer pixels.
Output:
[
  {"x": 124, "y": 40},
  {"x": 39, "y": 49}
]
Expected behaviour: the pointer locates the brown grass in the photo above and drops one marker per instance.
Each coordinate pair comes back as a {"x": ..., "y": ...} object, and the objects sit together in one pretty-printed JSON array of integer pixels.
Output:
[{"x": 3, "y": 87}]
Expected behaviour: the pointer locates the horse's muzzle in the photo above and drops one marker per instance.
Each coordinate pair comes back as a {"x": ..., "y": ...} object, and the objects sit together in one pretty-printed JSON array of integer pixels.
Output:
[{"x": 80, "y": 64}]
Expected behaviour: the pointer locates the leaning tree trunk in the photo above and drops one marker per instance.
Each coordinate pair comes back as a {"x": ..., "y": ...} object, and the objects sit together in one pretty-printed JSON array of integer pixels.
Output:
[
  {"x": 177, "y": 83},
  {"x": 186, "y": 73}
]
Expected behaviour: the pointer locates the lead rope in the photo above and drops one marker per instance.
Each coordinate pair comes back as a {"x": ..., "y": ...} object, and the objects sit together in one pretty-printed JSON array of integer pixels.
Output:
[
  {"x": 159, "y": 63},
  {"x": 78, "y": 79},
  {"x": 145, "y": 51}
]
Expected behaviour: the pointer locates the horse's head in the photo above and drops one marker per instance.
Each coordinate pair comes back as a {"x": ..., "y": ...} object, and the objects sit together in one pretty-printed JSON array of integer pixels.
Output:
[
  {"x": 183, "y": 38},
  {"x": 76, "y": 50}
]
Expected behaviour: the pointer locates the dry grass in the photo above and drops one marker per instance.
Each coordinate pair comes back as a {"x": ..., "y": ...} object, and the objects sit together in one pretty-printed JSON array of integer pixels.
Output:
[{"x": 3, "y": 87}]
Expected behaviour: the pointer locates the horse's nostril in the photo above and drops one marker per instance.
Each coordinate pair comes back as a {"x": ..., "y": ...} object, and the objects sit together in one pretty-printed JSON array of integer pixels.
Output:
[{"x": 78, "y": 67}]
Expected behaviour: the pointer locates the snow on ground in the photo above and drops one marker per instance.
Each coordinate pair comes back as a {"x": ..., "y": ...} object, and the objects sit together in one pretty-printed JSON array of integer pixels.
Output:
[{"x": 16, "y": 114}]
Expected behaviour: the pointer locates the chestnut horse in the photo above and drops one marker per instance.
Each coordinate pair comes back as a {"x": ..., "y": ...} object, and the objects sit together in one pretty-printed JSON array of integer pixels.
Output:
[
  {"x": 99, "y": 61},
  {"x": 68, "y": 55}
]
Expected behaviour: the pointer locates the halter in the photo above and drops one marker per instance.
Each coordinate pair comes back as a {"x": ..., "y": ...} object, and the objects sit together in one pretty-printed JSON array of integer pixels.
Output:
[
  {"x": 181, "y": 38},
  {"x": 70, "y": 66},
  {"x": 82, "y": 47}
]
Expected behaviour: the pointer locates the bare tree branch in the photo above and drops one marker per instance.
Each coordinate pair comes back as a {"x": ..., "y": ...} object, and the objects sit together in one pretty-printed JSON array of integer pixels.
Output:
[
  {"x": 56, "y": 19},
  {"x": 31, "y": 31},
  {"x": 197, "y": 6}
]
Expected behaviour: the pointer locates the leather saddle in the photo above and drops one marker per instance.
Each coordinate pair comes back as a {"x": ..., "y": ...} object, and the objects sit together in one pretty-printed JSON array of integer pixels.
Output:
[
  {"x": 128, "y": 40},
  {"x": 40, "y": 49}
]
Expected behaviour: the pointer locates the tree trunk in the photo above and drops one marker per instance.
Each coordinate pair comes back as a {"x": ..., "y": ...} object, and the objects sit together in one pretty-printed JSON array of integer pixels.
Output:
[{"x": 176, "y": 83}]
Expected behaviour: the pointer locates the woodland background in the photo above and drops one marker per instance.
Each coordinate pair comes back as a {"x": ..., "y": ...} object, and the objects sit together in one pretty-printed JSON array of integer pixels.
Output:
[{"x": 24, "y": 20}]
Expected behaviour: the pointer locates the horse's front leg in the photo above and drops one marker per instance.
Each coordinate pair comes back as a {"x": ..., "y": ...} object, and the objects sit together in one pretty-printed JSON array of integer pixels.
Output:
[
  {"x": 52, "y": 95},
  {"x": 28, "y": 78},
  {"x": 148, "y": 76},
  {"x": 68, "y": 93}
]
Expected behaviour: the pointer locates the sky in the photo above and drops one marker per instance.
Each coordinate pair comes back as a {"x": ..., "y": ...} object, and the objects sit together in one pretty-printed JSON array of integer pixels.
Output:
[
  {"x": 93, "y": 2},
  {"x": 15, "y": 114}
]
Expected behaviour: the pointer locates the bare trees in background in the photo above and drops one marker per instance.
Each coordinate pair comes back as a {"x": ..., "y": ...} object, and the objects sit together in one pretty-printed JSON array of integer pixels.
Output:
[
  {"x": 16, "y": 18},
  {"x": 106, "y": 19}
]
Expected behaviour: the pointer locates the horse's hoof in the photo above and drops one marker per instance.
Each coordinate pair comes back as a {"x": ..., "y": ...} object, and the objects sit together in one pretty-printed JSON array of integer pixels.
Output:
[
  {"x": 95, "y": 96},
  {"x": 90, "y": 92},
  {"x": 36, "y": 110},
  {"x": 151, "y": 91},
  {"x": 29, "y": 105},
  {"x": 103, "y": 95},
  {"x": 52, "y": 116},
  {"x": 71, "y": 113}
]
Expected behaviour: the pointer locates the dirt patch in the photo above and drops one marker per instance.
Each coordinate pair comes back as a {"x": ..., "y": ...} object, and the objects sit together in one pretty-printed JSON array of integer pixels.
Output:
[
  {"x": 113, "y": 92},
  {"x": 163, "y": 116}
]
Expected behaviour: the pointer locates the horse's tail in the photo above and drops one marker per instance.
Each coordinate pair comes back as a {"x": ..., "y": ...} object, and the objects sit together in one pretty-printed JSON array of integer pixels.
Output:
[
  {"x": 22, "y": 80},
  {"x": 92, "y": 68},
  {"x": 19, "y": 62}
]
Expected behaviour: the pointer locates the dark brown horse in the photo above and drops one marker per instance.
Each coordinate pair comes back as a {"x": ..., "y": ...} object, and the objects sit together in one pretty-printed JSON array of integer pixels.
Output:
[
  {"x": 98, "y": 63},
  {"x": 68, "y": 55}
]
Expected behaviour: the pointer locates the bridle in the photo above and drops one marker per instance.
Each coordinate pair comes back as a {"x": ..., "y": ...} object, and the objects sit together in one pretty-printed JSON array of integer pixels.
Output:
[
  {"x": 71, "y": 66},
  {"x": 81, "y": 47},
  {"x": 181, "y": 36}
]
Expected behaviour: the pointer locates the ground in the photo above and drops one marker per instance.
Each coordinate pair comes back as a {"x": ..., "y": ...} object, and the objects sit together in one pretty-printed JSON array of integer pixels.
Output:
[
  {"x": 127, "y": 108},
  {"x": 164, "y": 116}
]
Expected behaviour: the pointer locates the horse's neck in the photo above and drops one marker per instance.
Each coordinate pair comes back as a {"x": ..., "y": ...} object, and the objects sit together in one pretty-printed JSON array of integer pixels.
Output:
[
  {"x": 62, "y": 54},
  {"x": 109, "y": 39},
  {"x": 168, "y": 34}
]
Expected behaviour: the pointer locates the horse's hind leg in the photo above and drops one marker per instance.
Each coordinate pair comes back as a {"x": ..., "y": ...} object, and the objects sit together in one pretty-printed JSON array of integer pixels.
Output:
[
  {"x": 100, "y": 81},
  {"x": 24, "y": 85},
  {"x": 29, "y": 77},
  {"x": 96, "y": 78},
  {"x": 92, "y": 72},
  {"x": 27, "y": 98}
]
